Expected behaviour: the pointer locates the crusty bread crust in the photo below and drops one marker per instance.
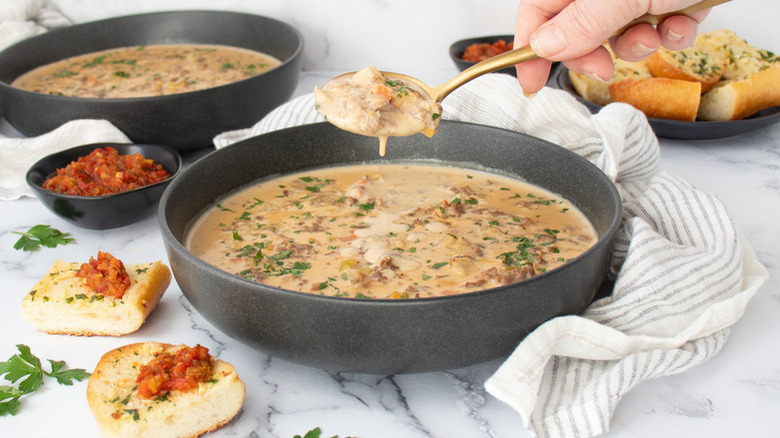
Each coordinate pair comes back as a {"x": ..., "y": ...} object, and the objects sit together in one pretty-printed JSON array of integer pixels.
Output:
[
  {"x": 659, "y": 97},
  {"x": 60, "y": 303},
  {"x": 113, "y": 398},
  {"x": 742, "y": 98}
]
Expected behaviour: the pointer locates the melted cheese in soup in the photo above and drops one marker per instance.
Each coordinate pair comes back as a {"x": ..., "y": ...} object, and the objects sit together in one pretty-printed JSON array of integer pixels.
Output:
[
  {"x": 390, "y": 231},
  {"x": 143, "y": 71}
]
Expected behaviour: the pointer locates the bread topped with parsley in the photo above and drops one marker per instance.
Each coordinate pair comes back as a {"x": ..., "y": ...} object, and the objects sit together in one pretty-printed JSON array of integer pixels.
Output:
[
  {"x": 720, "y": 78},
  {"x": 101, "y": 297},
  {"x": 689, "y": 64},
  {"x": 750, "y": 82},
  {"x": 159, "y": 390}
]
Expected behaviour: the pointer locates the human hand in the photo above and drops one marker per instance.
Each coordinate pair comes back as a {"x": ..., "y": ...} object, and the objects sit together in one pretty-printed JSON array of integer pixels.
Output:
[{"x": 573, "y": 31}]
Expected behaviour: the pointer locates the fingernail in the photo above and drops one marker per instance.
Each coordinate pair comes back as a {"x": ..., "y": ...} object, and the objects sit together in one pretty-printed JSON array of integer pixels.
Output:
[
  {"x": 673, "y": 36},
  {"x": 596, "y": 77},
  {"x": 547, "y": 41},
  {"x": 528, "y": 95},
  {"x": 640, "y": 49}
]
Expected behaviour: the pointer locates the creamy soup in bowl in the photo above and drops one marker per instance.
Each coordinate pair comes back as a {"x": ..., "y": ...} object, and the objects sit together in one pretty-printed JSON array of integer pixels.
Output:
[
  {"x": 390, "y": 231},
  {"x": 146, "y": 70}
]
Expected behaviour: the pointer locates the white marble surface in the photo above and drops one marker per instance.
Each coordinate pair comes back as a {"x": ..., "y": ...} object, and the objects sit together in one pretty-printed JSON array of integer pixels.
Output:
[{"x": 737, "y": 393}]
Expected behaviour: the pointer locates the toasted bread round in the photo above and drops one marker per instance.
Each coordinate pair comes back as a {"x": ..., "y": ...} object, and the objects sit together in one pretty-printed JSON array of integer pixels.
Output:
[
  {"x": 688, "y": 65},
  {"x": 113, "y": 397},
  {"x": 60, "y": 303},
  {"x": 738, "y": 99},
  {"x": 659, "y": 97}
]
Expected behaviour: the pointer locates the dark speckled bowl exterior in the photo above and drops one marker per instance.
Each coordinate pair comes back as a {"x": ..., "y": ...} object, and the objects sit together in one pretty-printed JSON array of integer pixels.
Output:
[
  {"x": 184, "y": 121},
  {"x": 109, "y": 211},
  {"x": 387, "y": 336}
]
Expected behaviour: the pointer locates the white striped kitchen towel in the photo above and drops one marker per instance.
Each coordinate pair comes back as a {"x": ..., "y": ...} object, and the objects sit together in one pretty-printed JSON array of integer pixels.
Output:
[{"x": 683, "y": 272}]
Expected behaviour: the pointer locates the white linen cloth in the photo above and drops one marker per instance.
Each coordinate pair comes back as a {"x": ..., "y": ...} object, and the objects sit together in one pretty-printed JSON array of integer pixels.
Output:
[
  {"x": 683, "y": 272},
  {"x": 20, "y": 19}
]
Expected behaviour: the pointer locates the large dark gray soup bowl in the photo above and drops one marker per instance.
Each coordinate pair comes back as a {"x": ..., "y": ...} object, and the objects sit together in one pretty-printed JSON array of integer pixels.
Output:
[
  {"x": 183, "y": 121},
  {"x": 387, "y": 336}
]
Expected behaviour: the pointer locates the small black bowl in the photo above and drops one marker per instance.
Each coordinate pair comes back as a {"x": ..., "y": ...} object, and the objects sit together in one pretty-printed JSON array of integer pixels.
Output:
[
  {"x": 108, "y": 211},
  {"x": 458, "y": 47}
]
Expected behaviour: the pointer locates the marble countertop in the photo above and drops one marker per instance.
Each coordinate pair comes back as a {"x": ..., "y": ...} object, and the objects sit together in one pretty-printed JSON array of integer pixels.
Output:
[{"x": 737, "y": 393}]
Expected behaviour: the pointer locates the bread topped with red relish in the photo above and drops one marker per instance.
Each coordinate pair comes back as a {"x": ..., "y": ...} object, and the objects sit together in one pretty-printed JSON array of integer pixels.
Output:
[
  {"x": 101, "y": 297},
  {"x": 160, "y": 390}
]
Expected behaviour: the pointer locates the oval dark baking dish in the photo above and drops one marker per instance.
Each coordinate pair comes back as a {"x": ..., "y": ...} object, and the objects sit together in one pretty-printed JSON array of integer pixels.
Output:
[
  {"x": 387, "y": 336},
  {"x": 183, "y": 121}
]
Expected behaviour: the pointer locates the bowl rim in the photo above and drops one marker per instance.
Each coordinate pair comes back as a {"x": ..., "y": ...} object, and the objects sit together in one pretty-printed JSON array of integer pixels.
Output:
[
  {"x": 603, "y": 239},
  {"x": 90, "y": 147},
  {"x": 119, "y": 100}
]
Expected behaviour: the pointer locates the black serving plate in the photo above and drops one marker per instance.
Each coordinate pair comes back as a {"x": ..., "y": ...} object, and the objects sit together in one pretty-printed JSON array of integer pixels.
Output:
[
  {"x": 387, "y": 336},
  {"x": 698, "y": 130},
  {"x": 108, "y": 211},
  {"x": 183, "y": 121}
]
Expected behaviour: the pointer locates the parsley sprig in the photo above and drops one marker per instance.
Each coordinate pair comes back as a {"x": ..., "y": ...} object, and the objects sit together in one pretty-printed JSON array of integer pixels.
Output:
[
  {"x": 314, "y": 433},
  {"x": 41, "y": 235},
  {"x": 25, "y": 370}
]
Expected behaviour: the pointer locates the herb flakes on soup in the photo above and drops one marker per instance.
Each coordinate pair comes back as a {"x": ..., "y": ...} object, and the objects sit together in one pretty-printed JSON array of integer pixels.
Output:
[{"x": 390, "y": 231}]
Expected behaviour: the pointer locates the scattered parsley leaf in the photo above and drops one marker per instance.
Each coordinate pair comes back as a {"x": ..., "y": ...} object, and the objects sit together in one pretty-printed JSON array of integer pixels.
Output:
[
  {"x": 41, "y": 235},
  {"x": 25, "y": 370},
  {"x": 314, "y": 433}
]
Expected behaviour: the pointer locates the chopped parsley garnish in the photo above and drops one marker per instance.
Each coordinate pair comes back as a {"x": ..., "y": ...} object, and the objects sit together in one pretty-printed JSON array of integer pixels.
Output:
[{"x": 519, "y": 257}]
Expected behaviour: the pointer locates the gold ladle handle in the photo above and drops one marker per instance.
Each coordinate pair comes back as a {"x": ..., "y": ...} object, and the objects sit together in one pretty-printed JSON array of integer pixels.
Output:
[{"x": 525, "y": 53}]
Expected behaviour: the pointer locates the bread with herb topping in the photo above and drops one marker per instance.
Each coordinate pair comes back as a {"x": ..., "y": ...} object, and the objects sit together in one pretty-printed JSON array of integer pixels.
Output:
[
  {"x": 112, "y": 395},
  {"x": 750, "y": 83},
  {"x": 737, "y": 80},
  {"x": 60, "y": 302},
  {"x": 735, "y": 100},
  {"x": 689, "y": 64}
]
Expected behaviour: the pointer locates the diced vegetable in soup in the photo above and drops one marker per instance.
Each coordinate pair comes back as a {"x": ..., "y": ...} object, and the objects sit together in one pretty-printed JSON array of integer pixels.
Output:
[
  {"x": 143, "y": 71},
  {"x": 390, "y": 231}
]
